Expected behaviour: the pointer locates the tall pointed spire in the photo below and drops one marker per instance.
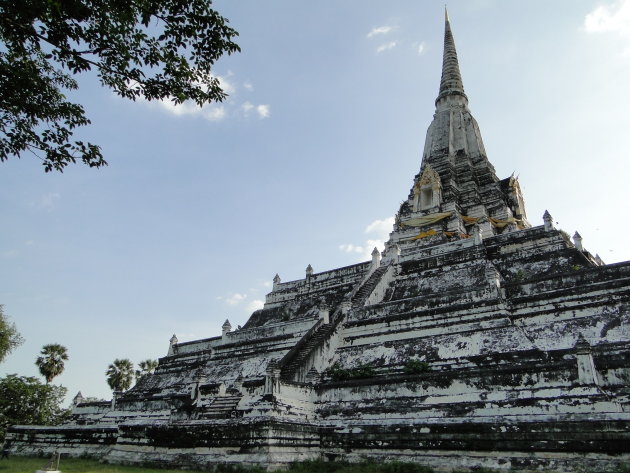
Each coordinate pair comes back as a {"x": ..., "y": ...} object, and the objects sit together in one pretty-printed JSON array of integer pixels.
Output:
[
  {"x": 457, "y": 189},
  {"x": 451, "y": 83}
]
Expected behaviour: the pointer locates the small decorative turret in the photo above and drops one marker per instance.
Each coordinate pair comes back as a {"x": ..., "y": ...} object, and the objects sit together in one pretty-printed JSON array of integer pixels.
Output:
[
  {"x": 548, "y": 219},
  {"x": 226, "y": 327},
  {"x": 172, "y": 342},
  {"x": 391, "y": 254},
  {"x": 115, "y": 396},
  {"x": 200, "y": 377},
  {"x": 577, "y": 239},
  {"x": 309, "y": 275},
  {"x": 272, "y": 378},
  {"x": 78, "y": 399},
  {"x": 493, "y": 278},
  {"x": 276, "y": 281},
  {"x": 312, "y": 376},
  {"x": 324, "y": 314},
  {"x": 346, "y": 306},
  {"x": 478, "y": 234},
  {"x": 195, "y": 392},
  {"x": 581, "y": 345},
  {"x": 376, "y": 258},
  {"x": 587, "y": 374}
]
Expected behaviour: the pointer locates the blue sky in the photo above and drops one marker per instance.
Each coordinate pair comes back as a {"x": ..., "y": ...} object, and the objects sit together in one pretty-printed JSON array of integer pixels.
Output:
[{"x": 306, "y": 162}]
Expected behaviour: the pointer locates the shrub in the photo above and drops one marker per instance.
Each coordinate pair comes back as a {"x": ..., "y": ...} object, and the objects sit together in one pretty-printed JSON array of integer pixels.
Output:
[
  {"x": 232, "y": 468},
  {"x": 337, "y": 373},
  {"x": 623, "y": 468},
  {"x": 416, "y": 367},
  {"x": 404, "y": 467},
  {"x": 319, "y": 466},
  {"x": 482, "y": 469},
  {"x": 366, "y": 466},
  {"x": 25, "y": 400}
]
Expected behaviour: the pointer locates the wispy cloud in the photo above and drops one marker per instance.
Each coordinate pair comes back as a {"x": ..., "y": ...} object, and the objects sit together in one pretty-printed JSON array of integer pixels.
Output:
[
  {"x": 613, "y": 18},
  {"x": 363, "y": 252},
  {"x": 234, "y": 298},
  {"x": 386, "y": 46},
  {"x": 350, "y": 248},
  {"x": 380, "y": 30},
  {"x": 215, "y": 112},
  {"x": 254, "y": 305},
  {"x": 209, "y": 112},
  {"x": 47, "y": 201},
  {"x": 227, "y": 86},
  {"x": 380, "y": 227},
  {"x": 249, "y": 301},
  {"x": 9, "y": 254},
  {"x": 420, "y": 48},
  {"x": 378, "y": 231},
  {"x": 247, "y": 108},
  {"x": 14, "y": 252},
  {"x": 262, "y": 110}
]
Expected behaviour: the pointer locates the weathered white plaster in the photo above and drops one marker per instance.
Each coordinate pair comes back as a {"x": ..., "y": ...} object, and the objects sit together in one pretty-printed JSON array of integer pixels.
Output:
[{"x": 476, "y": 340}]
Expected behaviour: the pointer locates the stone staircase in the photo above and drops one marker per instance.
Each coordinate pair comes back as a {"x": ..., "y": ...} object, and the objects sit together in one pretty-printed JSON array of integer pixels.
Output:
[
  {"x": 358, "y": 299},
  {"x": 221, "y": 408},
  {"x": 295, "y": 365},
  {"x": 290, "y": 369}
]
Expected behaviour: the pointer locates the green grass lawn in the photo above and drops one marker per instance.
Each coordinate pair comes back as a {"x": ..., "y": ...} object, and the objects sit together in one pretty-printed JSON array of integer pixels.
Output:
[
  {"x": 79, "y": 465},
  {"x": 73, "y": 465}
]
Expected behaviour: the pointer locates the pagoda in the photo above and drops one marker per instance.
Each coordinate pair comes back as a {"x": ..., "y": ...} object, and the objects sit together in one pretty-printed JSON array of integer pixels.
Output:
[
  {"x": 475, "y": 339},
  {"x": 457, "y": 187}
]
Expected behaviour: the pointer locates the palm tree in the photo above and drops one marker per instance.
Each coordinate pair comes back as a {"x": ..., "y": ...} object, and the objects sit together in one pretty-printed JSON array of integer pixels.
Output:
[
  {"x": 51, "y": 361},
  {"x": 146, "y": 367},
  {"x": 120, "y": 374}
]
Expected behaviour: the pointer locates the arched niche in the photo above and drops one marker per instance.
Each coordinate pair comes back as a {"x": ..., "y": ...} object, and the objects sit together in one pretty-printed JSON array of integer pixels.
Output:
[{"x": 427, "y": 190}]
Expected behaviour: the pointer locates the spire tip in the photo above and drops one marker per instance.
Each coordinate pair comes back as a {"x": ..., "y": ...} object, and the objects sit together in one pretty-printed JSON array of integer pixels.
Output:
[{"x": 451, "y": 82}]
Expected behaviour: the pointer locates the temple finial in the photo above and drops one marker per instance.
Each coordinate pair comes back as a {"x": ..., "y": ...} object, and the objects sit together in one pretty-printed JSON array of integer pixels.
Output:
[{"x": 451, "y": 83}]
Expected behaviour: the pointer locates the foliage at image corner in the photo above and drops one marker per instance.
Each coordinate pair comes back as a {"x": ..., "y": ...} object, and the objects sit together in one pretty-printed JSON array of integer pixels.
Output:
[
  {"x": 10, "y": 338},
  {"x": 151, "y": 49},
  {"x": 25, "y": 400}
]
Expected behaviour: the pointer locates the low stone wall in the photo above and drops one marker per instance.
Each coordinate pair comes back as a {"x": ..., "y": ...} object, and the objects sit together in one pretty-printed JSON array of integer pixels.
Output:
[
  {"x": 462, "y": 459},
  {"x": 288, "y": 291},
  {"x": 69, "y": 440},
  {"x": 201, "y": 445},
  {"x": 610, "y": 437}
]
